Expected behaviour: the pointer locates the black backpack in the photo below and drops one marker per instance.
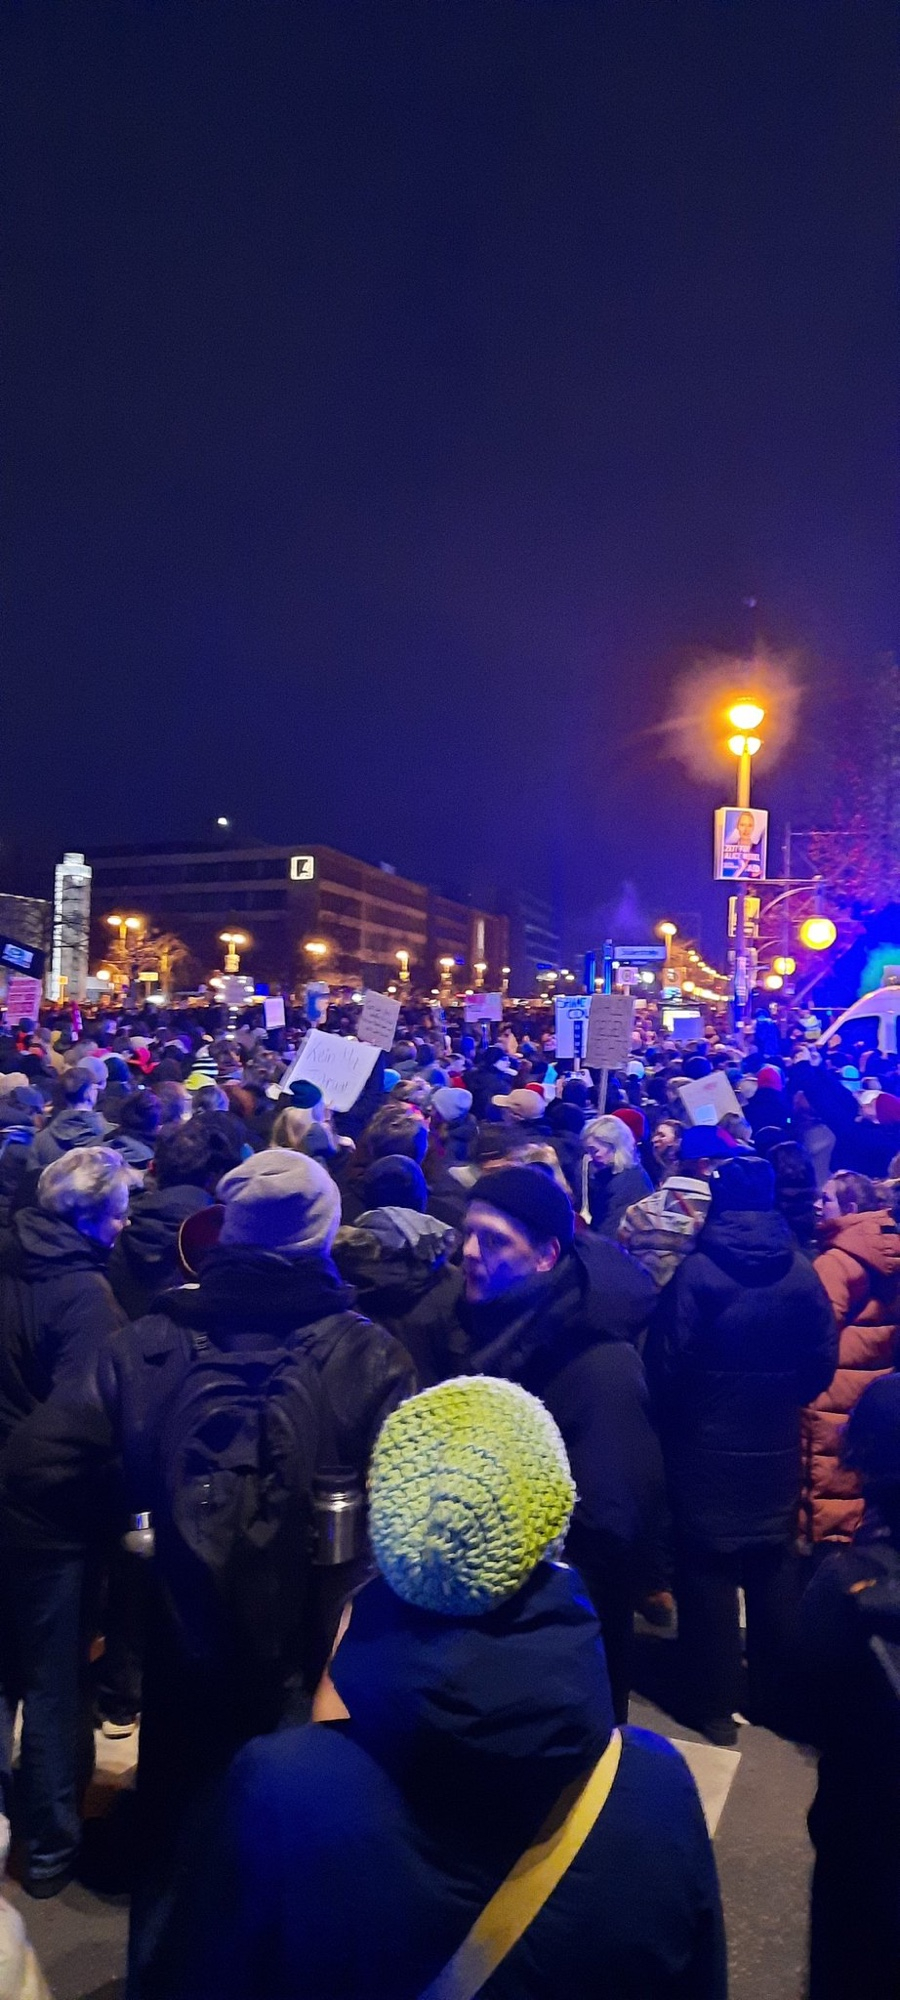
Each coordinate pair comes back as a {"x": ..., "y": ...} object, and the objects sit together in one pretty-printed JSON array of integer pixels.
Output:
[{"x": 232, "y": 1505}]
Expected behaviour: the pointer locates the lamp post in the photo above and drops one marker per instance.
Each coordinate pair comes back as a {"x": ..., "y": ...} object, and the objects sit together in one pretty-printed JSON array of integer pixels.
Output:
[
  {"x": 446, "y": 968},
  {"x": 123, "y": 925},
  {"x": 236, "y": 942},
  {"x": 402, "y": 958},
  {"x": 745, "y": 718},
  {"x": 479, "y": 969},
  {"x": 667, "y": 930}
]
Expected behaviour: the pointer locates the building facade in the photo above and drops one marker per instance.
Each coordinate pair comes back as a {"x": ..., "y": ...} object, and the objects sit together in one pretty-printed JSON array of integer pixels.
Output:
[
  {"x": 534, "y": 941},
  {"x": 283, "y": 899},
  {"x": 71, "y": 929}
]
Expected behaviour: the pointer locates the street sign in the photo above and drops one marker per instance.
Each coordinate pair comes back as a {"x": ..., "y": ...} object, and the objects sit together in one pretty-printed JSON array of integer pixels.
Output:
[
  {"x": 639, "y": 954},
  {"x": 628, "y": 975}
]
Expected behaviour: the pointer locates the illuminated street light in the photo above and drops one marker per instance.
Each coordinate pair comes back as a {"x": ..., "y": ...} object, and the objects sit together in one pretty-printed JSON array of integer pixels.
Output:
[
  {"x": 818, "y": 933},
  {"x": 316, "y": 949},
  {"x": 479, "y": 968},
  {"x": 746, "y": 715},
  {"x": 774, "y": 981},
  {"x": 402, "y": 958},
  {"x": 236, "y": 941},
  {"x": 785, "y": 966}
]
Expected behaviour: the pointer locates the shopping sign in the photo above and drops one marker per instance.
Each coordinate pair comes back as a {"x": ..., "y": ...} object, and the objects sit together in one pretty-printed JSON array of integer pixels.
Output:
[
  {"x": 23, "y": 999},
  {"x": 610, "y": 1026},
  {"x": 572, "y": 1009},
  {"x": 339, "y": 1064},
  {"x": 378, "y": 1020},
  {"x": 741, "y": 836}
]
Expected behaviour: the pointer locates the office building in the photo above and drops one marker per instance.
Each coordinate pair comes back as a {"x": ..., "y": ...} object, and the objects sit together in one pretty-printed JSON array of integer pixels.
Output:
[
  {"x": 283, "y": 899},
  {"x": 534, "y": 941},
  {"x": 71, "y": 929}
]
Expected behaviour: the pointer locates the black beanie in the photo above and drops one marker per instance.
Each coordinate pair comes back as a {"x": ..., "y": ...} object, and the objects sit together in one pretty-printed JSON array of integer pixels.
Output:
[
  {"x": 395, "y": 1182},
  {"x": 531, "y": 1196},
  {"x": 742, "y": 1182}
]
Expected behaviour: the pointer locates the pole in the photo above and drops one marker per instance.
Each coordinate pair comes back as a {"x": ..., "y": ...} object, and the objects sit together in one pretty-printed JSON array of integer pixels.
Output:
[
  {"x": 741, "y": 981},
  {"x": 607, "y": 988}
]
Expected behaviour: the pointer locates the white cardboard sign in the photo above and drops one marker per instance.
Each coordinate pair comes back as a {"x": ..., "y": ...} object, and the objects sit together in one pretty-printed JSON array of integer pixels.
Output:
[
  {"x": 708, "y": 1099},
  {"x": 273, "y": 1010},
  {"x": 570, "y": 1007},
  {"x": 23, "y": 999},
  {"x": 610, "y": 1025},
  {"x": 484, "y": 1007},
  {"x": 339, "y": 1064},
  {"x": 378, "y": 1021}
]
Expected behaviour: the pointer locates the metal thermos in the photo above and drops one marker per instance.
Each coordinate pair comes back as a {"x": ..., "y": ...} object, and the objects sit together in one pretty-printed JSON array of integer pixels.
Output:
[
  {"x": 140, "y": 1539},
  {"x": 339, "y": 1511}
]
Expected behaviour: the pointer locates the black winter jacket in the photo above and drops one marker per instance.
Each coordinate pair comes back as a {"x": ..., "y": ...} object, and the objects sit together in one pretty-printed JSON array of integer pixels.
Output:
[
  {"x": 56, "y": 1311},
  {"x": 145, "y": 1260},
  {"x": 609, "y": 1195},
  {"x": 399, "y": 1265},
  {"x": 567, "y": 1337},
  {"x": 742, "y": 1338}
]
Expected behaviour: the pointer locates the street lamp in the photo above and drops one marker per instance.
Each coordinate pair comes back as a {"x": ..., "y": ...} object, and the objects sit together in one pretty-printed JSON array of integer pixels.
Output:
[
  {"x": 818, "y": 933},
  {"x": 667, "y": 930},
  {"x": 402, "y": 958},
  {"x": 123, "y": 925},
  {"x": 316, "y": 950},
  {"x": 745, "y": 718},
  {"x": 446, "y": 968},
  {"x": 479, "y": 968},
  {"x": 236, "y": 941}
]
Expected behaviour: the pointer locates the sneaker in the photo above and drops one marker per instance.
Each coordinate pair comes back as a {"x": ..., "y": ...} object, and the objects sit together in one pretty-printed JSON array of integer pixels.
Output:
[
  {"x": 117, "y": 1731},
  {"x": 41, "y": 1887}
]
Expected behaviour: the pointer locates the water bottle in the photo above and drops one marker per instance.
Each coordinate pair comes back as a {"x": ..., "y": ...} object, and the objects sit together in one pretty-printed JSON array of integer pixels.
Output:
[
  {"x": 339, "y": 1511},
  {"x": 140, "y": 1539}
]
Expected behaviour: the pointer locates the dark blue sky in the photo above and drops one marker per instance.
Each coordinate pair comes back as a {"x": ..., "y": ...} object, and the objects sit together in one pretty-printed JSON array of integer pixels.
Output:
[{"x": 396, "y": 395}]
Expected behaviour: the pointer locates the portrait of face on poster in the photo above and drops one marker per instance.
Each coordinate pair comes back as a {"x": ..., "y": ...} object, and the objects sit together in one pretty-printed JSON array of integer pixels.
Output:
[{"x": 741, "y": 836}]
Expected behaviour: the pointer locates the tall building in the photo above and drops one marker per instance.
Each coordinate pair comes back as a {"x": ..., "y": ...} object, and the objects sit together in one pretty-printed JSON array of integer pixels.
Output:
[
  {"x": 71, "y": 929},
  {"x": 27, "y": 919},
  {"x": 534, "y": 941},
  {"x": 283, "y": 899}
]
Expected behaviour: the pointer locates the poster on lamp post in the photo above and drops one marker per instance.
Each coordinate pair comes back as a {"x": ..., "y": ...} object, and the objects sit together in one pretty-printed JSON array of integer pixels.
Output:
[{"x": 741, "y": 838}]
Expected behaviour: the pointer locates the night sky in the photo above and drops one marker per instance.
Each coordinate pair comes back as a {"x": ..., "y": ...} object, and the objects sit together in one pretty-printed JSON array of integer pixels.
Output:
[{"x": 397, "y": 396}]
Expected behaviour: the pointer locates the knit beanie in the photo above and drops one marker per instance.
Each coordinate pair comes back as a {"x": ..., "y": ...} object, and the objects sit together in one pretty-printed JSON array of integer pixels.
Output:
[
  {"x": 279, "y": 1200},
  {"x": 395, "y": 1182},
  {"x": 887, "y": 1108},
  {"x": 469, "y": 1489},
  {"x": 743, "y": 1182},
  {"x": 451, "y": 1103},
  {"x": 769, "y": 1077},
  {"x": 634, "y": 1119},
  {"x": 530, "y": 1196}
]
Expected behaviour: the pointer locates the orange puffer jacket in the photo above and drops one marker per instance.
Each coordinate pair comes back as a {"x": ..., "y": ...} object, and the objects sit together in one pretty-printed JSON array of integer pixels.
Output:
[{"x": 861, "y": 1274}]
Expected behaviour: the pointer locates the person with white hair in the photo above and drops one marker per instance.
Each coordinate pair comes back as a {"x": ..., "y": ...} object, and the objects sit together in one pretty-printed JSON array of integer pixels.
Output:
[
  {"x": 56, "y": 1312},
  {"x": 612, "y": 1175}
]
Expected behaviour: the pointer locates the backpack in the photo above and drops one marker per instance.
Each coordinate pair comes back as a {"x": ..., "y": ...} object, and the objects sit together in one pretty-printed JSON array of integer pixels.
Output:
[{"x": 236, "y": 1455}]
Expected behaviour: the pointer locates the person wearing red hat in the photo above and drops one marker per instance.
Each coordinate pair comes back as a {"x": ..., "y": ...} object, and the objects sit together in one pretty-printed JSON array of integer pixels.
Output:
[{"x": 634, "y": 1119}]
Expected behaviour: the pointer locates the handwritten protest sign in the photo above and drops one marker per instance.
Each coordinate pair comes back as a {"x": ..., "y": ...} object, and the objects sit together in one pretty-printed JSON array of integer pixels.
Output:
[
  {"x": 610, "y": 1025},
  {"x": 339, "y": 1064},
  {"x": 273, "y": 1010},
  {"x": 378, "y": 1021},
  {"x": 571, "y": 1007},
  {"x": 708, "y": 1099}
]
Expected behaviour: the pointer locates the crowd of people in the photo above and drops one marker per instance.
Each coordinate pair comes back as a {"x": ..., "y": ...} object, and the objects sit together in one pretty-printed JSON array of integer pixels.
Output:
[{"x": 340, "y": 1452}]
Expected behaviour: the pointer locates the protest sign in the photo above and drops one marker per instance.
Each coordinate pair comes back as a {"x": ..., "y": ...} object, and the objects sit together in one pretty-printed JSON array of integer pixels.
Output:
[
  {"x": 339, "y": 1064},
  {"x": 378, "y": 1021},
  {"x": 571, "y": 1007},
  {"x": 483, "y": 1007},
  {"x": 23, "y": 999},
  {"x": 610, "y": 1025},
  {"x": 686, "y": 1027},
  {"x": 708, "y": 1099},
  {"x": 273, "y": 1010}
]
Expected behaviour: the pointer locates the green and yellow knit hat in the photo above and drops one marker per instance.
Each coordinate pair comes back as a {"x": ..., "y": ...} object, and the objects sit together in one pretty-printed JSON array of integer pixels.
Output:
[{"x": 469, "y": 1489}]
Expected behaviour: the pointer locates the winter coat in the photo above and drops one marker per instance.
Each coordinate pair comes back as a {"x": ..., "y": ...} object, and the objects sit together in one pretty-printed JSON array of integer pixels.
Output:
[
  {"x": 566, "y": 1335},
  {"x": 609, "y": 1195},
  {"x": 767, "y": 1107},
  {"x": 245, "y": 1298},
  {"x": 399, "y": 1265},
  {"x": 145, "y": 1258},
  {"x": 347, "y": 1861},
  {"x": 845, "y": 1671},
  {"x": 76, "y": 1127},
  {"x": 56, "y": 1311},
  {"x": 861, "y": 1274},
  {"x": 135, "y": 1152},
  {"x": 743, "y": 1336}
]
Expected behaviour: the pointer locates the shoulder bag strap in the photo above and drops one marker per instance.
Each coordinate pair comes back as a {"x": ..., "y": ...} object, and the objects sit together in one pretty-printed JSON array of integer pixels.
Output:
[{"x": 529, "y": 1885}]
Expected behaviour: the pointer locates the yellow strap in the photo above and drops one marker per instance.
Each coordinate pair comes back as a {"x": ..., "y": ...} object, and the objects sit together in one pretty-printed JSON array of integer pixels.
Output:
[{"x": 529, "y": 1885}]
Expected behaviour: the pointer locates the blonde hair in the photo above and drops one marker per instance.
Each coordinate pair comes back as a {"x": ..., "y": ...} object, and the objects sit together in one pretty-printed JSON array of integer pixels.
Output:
[
  {"x": 615, "y": 1133},
  {"x": 291, "y": 1126}
]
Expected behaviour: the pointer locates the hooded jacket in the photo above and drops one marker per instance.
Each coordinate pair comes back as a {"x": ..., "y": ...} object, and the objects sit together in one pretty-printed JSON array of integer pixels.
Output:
[
  {"x": 610, "y": 1194},
  {"x": 566, "y": 1335},
  {"x": 399, "y": 1265},
  {"x": 145, "y": 1258},
  {"x": 56, "y": 1310},
  {"x": 79, "y": 1126},
  {"x": 743, "y": 1336},
  {"x": 861, "y": 1274},
  {"x": 347, "y": 1861}
]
